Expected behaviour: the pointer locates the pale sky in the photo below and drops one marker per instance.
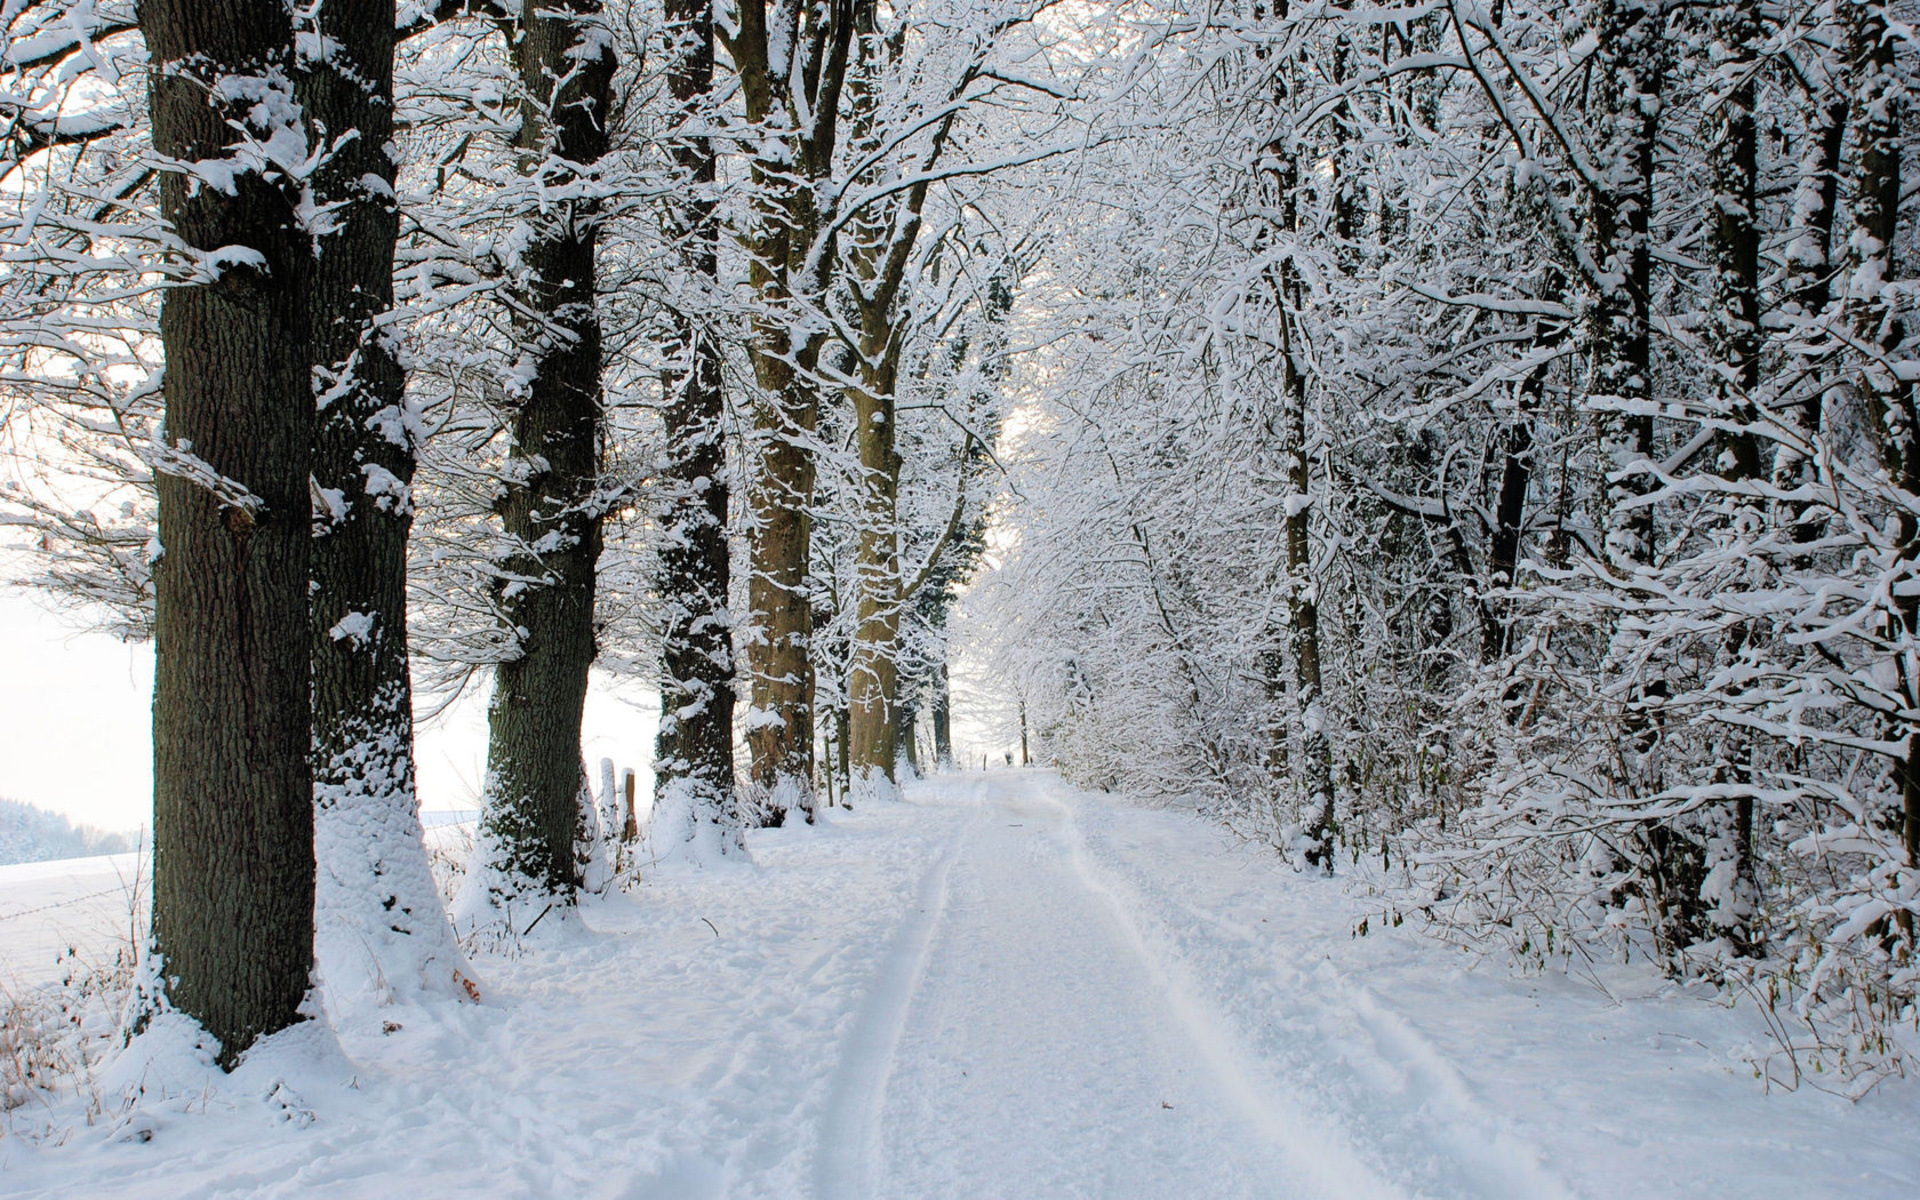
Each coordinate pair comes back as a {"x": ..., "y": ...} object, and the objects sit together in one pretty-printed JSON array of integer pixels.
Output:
[{"x": 75, "y": 710}]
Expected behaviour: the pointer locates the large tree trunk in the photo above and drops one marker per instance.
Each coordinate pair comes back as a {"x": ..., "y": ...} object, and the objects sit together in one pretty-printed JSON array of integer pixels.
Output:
[
  {"x": 779, "y": 601},
  {"x": 790, "y": 79},
  {"x": 233, "y": 792},
  {"x": 883, "y": 241},
  {"x": 697, "y": 681},
  {"x": 1874, "y": 200},
  {"x": 376, "y": 896},
  {"x": 551, "y": 511}
]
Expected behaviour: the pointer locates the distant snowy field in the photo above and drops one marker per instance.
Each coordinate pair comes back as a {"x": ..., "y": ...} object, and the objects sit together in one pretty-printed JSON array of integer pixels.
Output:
[
  {"x": 91, "y": 906},
  {"x": 50, "y": 910},
  {"x": 998, "y": 988}
]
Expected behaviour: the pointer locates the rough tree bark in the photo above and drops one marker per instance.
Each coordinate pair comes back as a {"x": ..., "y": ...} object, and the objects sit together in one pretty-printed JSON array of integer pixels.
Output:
[
  {"x": 550, "y": 508},
  {"x": 376, "y": 894},
  {"x": 883, "y": 241},
  {"x": 873, "y": 678},
  {"x": 877, "y": 258},
  {"x": 791, "y": 71},
  {"x": 233, "y": 792},
  {"x": 695, "y": 749}
]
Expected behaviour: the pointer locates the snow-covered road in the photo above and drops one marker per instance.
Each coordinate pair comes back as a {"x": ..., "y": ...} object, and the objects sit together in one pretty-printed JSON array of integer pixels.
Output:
[
  {"x": 1019, "y": 1032},
  {"x": 1023, "y": 1031},
  {"x": 999, "y": 988}
]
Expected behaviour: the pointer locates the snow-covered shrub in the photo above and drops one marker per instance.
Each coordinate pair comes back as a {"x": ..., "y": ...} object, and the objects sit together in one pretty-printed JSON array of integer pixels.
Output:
[
  {"x": 54, "y": 1035},
  {"x": 449, "y": 849},
  {"x": 1538, "y": 458},
  {"x": 1704, "y": 758}
]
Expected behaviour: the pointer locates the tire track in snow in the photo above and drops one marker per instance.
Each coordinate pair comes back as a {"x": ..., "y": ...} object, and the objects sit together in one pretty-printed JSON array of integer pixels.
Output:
[
  {"x": 1323, "y": 1154},
  {"x": 1504, "y": 1163},
  {"x": 846, "y": 1165},
  {"x": 1496, "y": 1153},
  {"x": 1500, "y": 1162}
]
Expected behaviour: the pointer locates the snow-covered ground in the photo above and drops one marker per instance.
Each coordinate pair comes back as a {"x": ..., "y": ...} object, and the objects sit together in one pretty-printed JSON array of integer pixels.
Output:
[
  {"x": 85, "y": 906},
  {"x": 998, "y": 988}
]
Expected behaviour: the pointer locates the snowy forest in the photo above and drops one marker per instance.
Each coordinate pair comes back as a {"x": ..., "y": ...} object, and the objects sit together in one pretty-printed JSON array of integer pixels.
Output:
[
  {"x": 30, "y": 835},
  {"x": 1468, "y": 449}
]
